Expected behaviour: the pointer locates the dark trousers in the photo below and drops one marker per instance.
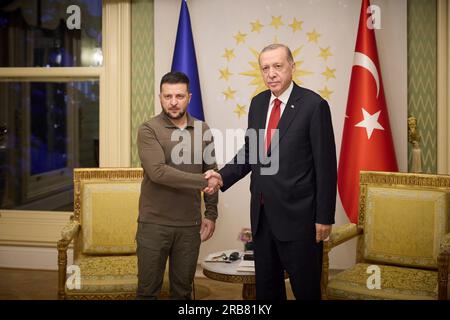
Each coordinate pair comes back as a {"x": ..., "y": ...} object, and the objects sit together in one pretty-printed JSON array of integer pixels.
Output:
[
  {"x": 302, "y": 260},
  {"x": 156, "y": 243}
]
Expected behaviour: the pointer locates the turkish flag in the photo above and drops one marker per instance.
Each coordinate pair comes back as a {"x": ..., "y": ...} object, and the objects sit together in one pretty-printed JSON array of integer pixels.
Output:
[{"x": 367, "y": 139}]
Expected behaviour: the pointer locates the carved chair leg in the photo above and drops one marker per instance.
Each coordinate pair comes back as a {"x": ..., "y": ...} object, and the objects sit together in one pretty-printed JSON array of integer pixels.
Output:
[
  {"x": 325, "y": 271},
  {"x": 443, "y": 276},
  {"x": 62, "y": 268}
]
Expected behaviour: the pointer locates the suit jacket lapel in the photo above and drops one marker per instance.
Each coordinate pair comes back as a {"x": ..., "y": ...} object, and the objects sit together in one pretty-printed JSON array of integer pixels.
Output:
[
  {"x": 289, "y": 113},
  {"x": 262, "y": 113}
]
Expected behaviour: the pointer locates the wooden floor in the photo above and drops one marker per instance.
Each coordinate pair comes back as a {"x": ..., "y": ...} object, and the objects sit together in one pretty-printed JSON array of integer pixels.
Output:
[{"x": 42, "y": 285}]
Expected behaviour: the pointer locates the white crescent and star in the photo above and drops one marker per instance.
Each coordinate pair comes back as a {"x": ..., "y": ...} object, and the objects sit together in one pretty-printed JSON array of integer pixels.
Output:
[
  {"x": 370, "y": 122},
  {"x": 362, "y": 60}
]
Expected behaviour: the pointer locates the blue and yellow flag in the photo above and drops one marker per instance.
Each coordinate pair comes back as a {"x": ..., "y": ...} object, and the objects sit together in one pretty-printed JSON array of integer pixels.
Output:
[{"x": 184, "y": 60}]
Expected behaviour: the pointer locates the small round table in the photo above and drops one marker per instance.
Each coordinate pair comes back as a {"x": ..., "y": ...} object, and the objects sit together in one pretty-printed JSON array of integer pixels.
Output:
[{"x": 227, "y": 272}]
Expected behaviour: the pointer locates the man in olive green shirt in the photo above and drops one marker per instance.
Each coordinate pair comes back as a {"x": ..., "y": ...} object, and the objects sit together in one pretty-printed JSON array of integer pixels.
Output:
[{"x": 170, "y": 224}]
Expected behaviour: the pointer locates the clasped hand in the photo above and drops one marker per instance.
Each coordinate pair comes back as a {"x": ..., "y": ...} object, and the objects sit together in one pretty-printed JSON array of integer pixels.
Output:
[{"x": 214, "y": 182}]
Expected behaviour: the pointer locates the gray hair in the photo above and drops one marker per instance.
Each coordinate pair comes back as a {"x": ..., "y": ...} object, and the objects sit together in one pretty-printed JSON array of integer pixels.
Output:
[{"x": 275, "y": 46}]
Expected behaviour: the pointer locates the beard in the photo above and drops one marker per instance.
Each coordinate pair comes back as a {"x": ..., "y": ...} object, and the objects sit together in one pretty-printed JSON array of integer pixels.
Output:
[{"x": 178, "y": 116}]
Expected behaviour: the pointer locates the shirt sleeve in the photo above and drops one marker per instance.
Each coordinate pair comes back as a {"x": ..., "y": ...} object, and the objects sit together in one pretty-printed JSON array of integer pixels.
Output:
[{"x": 153, "y": 161}]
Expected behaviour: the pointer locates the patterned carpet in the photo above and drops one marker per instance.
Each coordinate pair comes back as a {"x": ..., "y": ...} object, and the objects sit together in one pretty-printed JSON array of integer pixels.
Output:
[{"x": 18, "y": 284}]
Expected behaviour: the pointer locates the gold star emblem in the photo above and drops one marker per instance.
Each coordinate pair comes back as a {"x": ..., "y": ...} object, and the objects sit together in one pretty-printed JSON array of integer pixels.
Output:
[
  {"x": 329, "y": 73},
  {"x": 296, "y": 25},
  {"x": 225, "y": 74},
  {"x": 240, "y": 37},
  {"x": 326, "y": 93},
  {"x": 255, "y": 72},
  {"x": 325, "y": 53},
  {"x": 240, "y": 110},
  {"x": 256, "y": 26},
  {"x": 229, "y": 93},
  {"x": 276, "y": 22},
  {"x": 299, "y": 72},
  {"x": 313, "y": 36},
  {"x": 229, "y": 54}
]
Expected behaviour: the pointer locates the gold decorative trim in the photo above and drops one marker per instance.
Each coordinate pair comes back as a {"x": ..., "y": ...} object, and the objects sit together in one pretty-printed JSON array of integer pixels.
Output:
[
  {"x": 362, "y": 203},
  {"x": 108, "y": 173},
  {"x": 245, "y": 279},
  {"x": 103, "y": 296},
  {"x": 405, "y": 179}
]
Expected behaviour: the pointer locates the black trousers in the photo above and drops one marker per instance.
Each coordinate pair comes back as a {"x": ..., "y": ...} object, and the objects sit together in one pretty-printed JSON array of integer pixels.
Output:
[{"x": 302, "y": 260}]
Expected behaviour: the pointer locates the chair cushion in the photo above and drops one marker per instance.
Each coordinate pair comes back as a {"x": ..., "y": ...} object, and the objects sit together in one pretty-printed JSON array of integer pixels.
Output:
[
  {"x": 110, "y": 275},
  {"x": 109, "y": 217},
  {"x": 404, "y": 226},
  {"x": 396, "y": 283},
  {"x": 113, "y": 274}
]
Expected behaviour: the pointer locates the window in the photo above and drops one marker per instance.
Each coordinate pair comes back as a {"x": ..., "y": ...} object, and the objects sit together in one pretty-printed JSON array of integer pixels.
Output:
[
  {"x": 50, "y": 78},
  {"x": 40, "y": 33}
]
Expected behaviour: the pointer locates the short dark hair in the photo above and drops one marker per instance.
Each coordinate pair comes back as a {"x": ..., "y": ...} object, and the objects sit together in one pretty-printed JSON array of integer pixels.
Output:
[{"x": 173, "y": 78}]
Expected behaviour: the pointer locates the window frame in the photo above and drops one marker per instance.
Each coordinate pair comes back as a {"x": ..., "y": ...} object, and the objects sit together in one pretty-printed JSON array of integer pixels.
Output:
[{"x": 114, "y": 84}]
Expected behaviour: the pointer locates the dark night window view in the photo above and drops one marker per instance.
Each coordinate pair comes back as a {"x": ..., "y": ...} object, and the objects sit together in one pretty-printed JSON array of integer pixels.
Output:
[{"x": 48, "y": 126}]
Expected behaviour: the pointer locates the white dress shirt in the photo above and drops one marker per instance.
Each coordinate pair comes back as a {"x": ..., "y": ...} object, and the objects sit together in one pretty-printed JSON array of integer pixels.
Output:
[{"x": 284, "y": 97}]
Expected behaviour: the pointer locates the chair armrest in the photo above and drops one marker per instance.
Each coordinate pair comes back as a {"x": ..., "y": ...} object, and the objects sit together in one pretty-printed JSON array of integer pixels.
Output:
[
  {"x": 338, "y": 235},
  {"x": 69, "y": 230},
  {"x": 445, "y": 244},
  {"x": 343, "y": 233},
  {"x": 67, "y": 234}
]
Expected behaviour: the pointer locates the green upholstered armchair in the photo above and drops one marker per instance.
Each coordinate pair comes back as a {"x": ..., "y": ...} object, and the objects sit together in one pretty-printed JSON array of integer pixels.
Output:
[
  {"x": 403, "y": 229},
  {"x": 103, "y": 230}
]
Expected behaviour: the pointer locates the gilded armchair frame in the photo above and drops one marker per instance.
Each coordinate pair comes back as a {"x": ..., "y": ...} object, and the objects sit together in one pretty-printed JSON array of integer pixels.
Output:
[
  {"x": 349, "y": 231},
  {"x": 72, "y": 230}
]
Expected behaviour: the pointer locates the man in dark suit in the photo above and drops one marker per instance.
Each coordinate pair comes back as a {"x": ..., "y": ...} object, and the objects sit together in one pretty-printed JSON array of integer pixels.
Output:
[{"x": 292, "y": 211}]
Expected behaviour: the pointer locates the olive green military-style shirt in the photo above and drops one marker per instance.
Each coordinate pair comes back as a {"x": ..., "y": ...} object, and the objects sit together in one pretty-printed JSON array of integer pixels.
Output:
[{"x": 171, "y": 191}]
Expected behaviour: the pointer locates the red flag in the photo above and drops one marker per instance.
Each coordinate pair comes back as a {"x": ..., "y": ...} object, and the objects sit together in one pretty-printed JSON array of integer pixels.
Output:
[{"x": 367, "y": 139}]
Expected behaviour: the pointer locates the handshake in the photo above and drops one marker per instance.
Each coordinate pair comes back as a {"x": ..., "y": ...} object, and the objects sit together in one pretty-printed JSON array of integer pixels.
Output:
[{"x": 214, "y": 182}]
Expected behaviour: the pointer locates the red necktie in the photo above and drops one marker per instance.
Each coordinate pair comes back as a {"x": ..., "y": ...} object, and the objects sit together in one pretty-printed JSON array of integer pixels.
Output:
[{"x": 273, "y": 122}]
